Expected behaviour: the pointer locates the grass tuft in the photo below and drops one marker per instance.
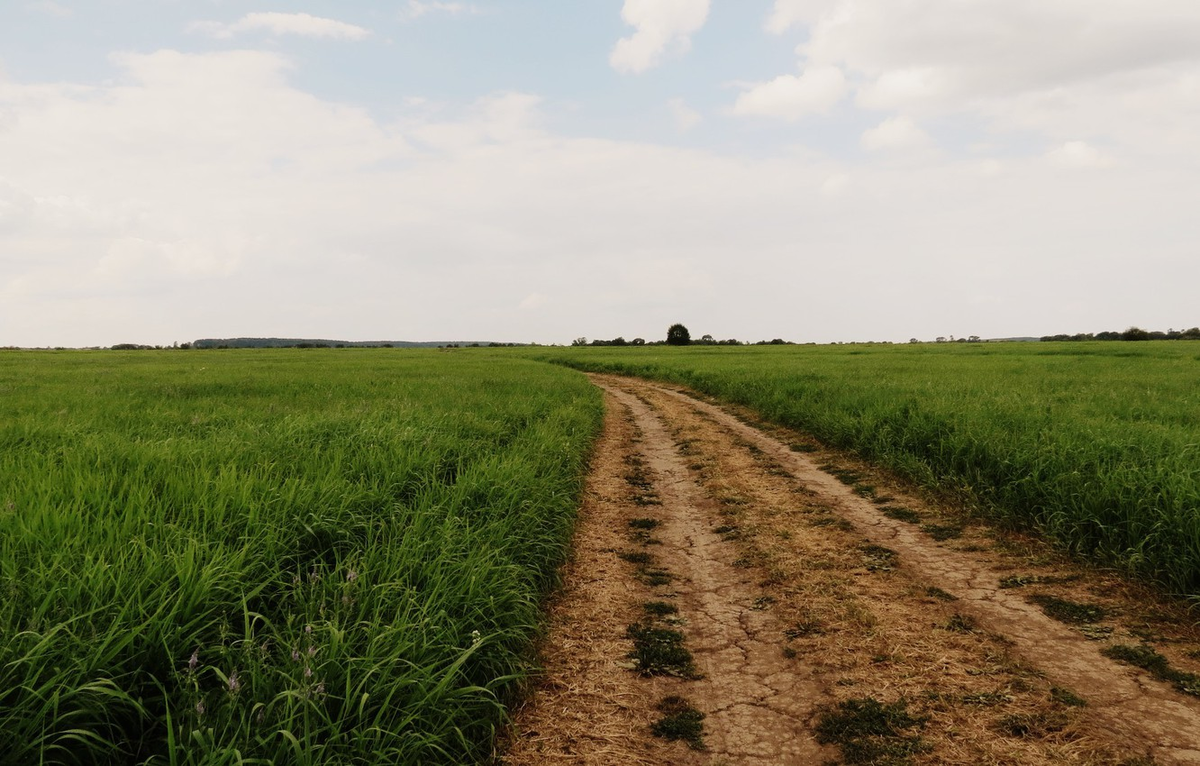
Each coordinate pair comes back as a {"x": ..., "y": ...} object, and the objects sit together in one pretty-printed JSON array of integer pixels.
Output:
[
  {"x": 1146, "y": 658},
  {"x": 636, "y": 557},
  {"x": 1070, "y": 612},
  {"x": 660, "y": 608},
  {"x": 876, "y": 558},
  {"x": 680, "y": 721},
  {"x": 1066, "y": 697},
  {"x": 900, "y": 513},
  {"x": 660, "y": 651},
  {"x": 870, "y": 732},
  {"x": 941, "y": 532}
]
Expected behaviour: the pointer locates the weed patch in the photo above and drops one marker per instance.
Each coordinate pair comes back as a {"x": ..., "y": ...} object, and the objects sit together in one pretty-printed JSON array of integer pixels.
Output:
[
  {"x": 762, "y": 602},
  {"x": 900, "y": 513},
  {"x": 870, "y": 732},
  {"x": 846, "y": 476},
  {"x": 660, "y": 651},
  {"x": 1146, "y": 658},
  {"x": 876, "y": 558},
  {"x": 1070, "y": 612},
  {"x": 961, "y": 623},
  {"x": 1020, "y": 581},
  {"x": 941, "y": 532},
  {"x": 830, "y": 520},
  {"x": 986, "y": 699},
  {"x": 655, "y": 576},
  {"x": 935, "y": 592},
  {"x": 1066, "y": 697},
  {"x": 809, "y": 625},
  {"x": 864, "y": 490},
  {"x": 1032, "y": 725},
  {"x": 660, "y": 608},
  {"x": 636, "y": 557},
  {"x": 680, "y": 721},
  {"x": 644, "y": 523}
]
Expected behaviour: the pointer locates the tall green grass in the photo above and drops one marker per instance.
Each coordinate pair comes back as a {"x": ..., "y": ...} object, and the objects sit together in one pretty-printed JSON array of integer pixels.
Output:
[
  {"x": 1095, "y": 444},
  {"x": 293, "y": 557}
]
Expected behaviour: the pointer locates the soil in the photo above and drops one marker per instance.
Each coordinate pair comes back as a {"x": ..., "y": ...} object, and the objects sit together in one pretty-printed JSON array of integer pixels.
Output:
[{"x": 806, "y": 584}]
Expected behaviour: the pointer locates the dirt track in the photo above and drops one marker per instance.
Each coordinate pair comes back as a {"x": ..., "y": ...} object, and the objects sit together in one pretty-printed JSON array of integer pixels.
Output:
[{"x": 796, "y": 591}]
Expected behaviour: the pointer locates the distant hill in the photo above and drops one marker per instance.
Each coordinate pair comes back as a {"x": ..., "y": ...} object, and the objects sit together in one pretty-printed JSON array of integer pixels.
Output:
[{"x": 323, "y": 343}]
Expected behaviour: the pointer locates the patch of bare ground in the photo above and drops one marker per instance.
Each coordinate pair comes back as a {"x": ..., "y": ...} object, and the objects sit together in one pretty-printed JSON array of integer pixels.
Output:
[{"x": 831, "y": 613}]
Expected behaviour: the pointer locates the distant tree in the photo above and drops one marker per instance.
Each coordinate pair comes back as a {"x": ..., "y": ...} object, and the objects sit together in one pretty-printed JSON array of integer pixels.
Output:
[
  {"x": 638, "y": 342},
  {"x": 678, "y": 335},
  {"x": 580, "y": 341},
  {"x": 707, "y": 339},
  {"x": 913, "y": 340}
]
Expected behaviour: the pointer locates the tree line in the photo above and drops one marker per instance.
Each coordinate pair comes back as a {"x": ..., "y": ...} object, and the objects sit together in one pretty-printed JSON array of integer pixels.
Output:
[{"x": 1133, "y": 333}]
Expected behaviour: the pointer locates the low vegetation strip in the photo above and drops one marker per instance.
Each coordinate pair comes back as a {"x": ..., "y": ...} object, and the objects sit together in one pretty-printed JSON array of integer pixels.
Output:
[
  {"x": 307, "y": 557},
  {"x": 1094, "y": 444}
]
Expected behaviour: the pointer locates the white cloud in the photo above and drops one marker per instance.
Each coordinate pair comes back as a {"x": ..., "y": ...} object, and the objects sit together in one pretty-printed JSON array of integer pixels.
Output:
[
  {"x": 953, "y": 52},
  {"x": 904, "y": 88},
  {"x": 835, "y": 185},
  {"x": 418, "y": 8},
  {"x": 301, "y": 24},
  {"x": 685, "y": 117},
  {"x": 815, "y": 91},
  {"x": 1111, "y": 73},
  {"x": 1079, "y": 154},
  {"x": 788, "y": 13},
  {"x": 52, "y": 8},
  {"x": 895, "y": 133},
  {"x": 662, "y": 26},
  {"x": 532, "y": 302}
]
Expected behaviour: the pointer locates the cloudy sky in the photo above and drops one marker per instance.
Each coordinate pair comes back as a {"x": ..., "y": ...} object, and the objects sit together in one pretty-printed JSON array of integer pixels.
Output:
[{"x": 538, "y": 170}]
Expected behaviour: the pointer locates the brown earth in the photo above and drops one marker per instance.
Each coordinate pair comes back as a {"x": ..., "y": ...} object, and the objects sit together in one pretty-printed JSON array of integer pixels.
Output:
[{"x": 803, "y": 581}]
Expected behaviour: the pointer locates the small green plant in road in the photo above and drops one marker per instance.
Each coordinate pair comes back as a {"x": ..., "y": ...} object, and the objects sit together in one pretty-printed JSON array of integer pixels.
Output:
[
  {"x": 1070, "y": 612},
  {"x": 660, "y": 608},
  {"x": 680, "y": 721},
  {"x": 1146, "y": 658},
  {"x": 871, "y": 732},
  {"x": 1066, "y": 697},
  {"x": 941, "y": 532},
  {"x": 660, "y": 651},
  {"x": 900, "y": 513}
]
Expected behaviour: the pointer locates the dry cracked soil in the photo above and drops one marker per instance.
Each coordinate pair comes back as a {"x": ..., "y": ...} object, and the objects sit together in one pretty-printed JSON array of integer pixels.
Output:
[{"x": 739, "y": 594}]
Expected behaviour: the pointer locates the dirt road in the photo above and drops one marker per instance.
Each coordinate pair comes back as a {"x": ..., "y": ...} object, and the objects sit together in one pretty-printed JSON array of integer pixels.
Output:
[{"x": 744, "y": 596}]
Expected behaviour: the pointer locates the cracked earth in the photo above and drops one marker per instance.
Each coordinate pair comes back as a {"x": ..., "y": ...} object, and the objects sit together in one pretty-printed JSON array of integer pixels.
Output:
[{"x": 796, "y": 591}]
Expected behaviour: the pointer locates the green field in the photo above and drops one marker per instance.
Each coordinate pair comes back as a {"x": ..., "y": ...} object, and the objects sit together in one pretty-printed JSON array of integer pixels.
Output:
[
  {"x": 309, "y": 557},
  {"x": 1097, "y": 445}
]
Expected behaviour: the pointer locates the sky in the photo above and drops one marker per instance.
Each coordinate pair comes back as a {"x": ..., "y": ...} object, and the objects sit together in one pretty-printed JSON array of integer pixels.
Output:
[{"x": 541, "y": 170}]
